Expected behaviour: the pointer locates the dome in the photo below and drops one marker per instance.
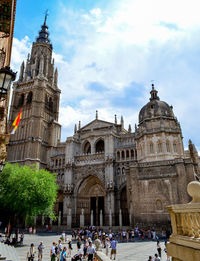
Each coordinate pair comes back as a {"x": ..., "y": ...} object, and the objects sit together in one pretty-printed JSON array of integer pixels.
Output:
[{"x": 155, "y": 108}]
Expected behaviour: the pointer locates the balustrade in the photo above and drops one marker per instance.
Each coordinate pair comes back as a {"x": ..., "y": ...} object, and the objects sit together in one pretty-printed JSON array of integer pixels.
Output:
[
  {"x": 185, "y": 220},
  {"x": 89, "y": 157}
]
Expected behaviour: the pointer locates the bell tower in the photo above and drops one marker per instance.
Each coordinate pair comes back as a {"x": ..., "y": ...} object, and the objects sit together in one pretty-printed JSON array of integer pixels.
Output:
[{"x": 37, "y": 94}]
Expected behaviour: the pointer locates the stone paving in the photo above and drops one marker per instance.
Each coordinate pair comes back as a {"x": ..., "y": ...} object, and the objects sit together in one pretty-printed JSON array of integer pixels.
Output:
[{"x": 133, "y": 251}]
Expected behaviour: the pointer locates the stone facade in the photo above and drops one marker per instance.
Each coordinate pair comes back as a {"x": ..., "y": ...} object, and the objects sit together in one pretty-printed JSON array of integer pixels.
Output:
[
  {"x": 37, "y": 94},
  {"x": 107, "y": 175},
  {"x": 6, "y": 37}
]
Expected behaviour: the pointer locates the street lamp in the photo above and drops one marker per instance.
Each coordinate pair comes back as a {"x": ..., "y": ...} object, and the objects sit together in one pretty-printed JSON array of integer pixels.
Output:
[{"x": 6, "y": 77}]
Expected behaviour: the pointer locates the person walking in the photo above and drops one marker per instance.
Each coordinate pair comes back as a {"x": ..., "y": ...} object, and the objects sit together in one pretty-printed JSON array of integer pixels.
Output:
[
  {"x": 70, "y": 247},
  {"x": 31, "y": 253},
  {"x": 59, "y": 249},
  {"x": 53, "y": 252},
  {"x": 150, "y": 258},
  {"x": 159, "y": 248},
  {"x": 41, "y": 247},
  {"x": 90, "y": 251},
  {"x": 113, "y": 245},
  {"x": 78, "y": 244},
  {"x": 107, "y": 245},
  {"x": 63, "y": 255}
]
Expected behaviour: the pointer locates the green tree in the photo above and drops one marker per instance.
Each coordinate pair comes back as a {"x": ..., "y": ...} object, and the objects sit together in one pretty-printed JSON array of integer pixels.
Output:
[{"x": 27, "y": 191}]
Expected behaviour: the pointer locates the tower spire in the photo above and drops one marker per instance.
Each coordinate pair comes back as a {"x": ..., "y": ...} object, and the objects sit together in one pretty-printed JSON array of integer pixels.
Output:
[
  {"x": 46, "y": 14},
  {"x": 43, "y": 33},
  {"x": 154, "y": 93}
]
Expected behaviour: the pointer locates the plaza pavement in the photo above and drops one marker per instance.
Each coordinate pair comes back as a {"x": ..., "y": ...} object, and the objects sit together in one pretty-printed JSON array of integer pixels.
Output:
[{"x": 133, "y": 251}]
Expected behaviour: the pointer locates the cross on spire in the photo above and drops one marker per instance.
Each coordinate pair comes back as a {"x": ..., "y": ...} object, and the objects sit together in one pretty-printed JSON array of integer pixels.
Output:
[{"x": 46, "y": 14}]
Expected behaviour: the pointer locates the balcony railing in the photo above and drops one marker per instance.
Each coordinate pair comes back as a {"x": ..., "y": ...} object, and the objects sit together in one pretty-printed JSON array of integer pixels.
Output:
[
  {"x": 92, "y": 158},
  {"x": 185, "y": 220}
]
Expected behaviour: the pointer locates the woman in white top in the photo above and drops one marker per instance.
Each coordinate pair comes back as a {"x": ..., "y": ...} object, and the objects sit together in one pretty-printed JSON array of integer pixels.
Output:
[{"x": 31, "y": 253}]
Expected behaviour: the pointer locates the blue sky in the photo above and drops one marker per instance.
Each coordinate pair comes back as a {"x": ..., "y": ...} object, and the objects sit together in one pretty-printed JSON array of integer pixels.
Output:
[{"x": 107, "y": 53}]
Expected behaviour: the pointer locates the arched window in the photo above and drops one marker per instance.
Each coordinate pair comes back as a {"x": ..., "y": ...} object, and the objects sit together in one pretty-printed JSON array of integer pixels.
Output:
[
  {"x": 100, "y": 146},
  {"x": 123, "y": 155},
  {"x": 118, "y": 171},
  {"x": 29, "y": 98},
  {"x": 50, "y": 104},
  {"x": 132, "y": 154},
  {"x": 56, "y": 162},
  {"x": 175, "y": 147},
  {"x": 87, "y": 148},
  {"x": 127, "y": 154},
  {"x": 123, "y": 171},
  {"x": 167, "y": 146},
  {"x": 118, "y": 155},
  {"x": 136, "y": 154},
  {"x": 59, "y": 162},
  {"x": 151, "y": 148},
  {"x": 159, "y": 147},
  {"x": 21, "y": 100}
]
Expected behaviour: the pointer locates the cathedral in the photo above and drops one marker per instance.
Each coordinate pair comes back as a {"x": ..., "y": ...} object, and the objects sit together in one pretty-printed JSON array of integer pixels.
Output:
[{"x": 107, "y": 175}]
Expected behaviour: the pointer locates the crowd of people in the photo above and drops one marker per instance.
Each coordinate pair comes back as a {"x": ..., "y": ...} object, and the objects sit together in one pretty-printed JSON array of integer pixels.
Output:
[
  {"x": 83, "y": 239},
  {"x": 121, "y": 236}
]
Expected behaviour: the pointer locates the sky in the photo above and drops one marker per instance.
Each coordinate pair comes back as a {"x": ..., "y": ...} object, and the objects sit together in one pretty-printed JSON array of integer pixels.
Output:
[{"x": 108, "y": 52}]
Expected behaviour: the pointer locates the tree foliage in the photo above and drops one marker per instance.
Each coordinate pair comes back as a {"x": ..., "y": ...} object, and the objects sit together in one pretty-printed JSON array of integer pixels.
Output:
[{"x": 27, "y": 191}]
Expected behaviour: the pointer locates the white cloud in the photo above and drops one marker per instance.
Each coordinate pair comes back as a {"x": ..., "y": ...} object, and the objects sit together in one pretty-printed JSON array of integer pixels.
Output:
[
  {"x": 20, "y": 50},
  {"x": 129, "y": 41}
]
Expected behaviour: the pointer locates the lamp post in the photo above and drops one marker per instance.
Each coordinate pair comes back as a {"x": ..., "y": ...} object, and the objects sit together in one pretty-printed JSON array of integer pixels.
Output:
[{"x": 6, "y": 77}]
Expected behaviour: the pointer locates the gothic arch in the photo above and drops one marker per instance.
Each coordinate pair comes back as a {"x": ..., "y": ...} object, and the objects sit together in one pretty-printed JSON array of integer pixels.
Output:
[
  {"x": 50, "y": 104},
  {"x": 84, "y": 179},
  {"x": 159, "y": 146},
  {"x": 90, "y": 199},
  {"x": 86, "y": 147},
  {"x": 151, "y": 147},
  {"x": 29, "y": 98},
  {"x": 21, "y": 100},
  {"x": 99, "y": 145},
  {"x": 91, "y": 186}
]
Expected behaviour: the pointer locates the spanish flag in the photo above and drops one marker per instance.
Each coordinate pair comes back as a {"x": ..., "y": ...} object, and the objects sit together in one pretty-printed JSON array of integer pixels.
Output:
[{"x": 16, "y": 122}]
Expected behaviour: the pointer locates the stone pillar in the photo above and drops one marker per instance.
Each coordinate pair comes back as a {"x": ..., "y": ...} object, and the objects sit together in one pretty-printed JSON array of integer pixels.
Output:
[
  {"x": 110, "y": 218},
  {"x": 59, "y": 218},
  {"x": 43, "y": 220},
  {"x": 41, "y": 66},
  {"x": 120, "y": 217},
  {"x": 92, "y": 218},
  {"x": 130, "y": 219},
  {"x": 101, "y": 218},
  {"x": 69, "y": 218},
  {"x": 47, "y": 66},
  {"x": 82, "y": 218}
]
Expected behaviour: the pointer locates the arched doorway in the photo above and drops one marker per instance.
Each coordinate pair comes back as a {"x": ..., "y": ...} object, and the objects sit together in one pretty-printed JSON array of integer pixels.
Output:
[
  {"x": 124, "y": 207},
  {"x": 90, "y": 197}
]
